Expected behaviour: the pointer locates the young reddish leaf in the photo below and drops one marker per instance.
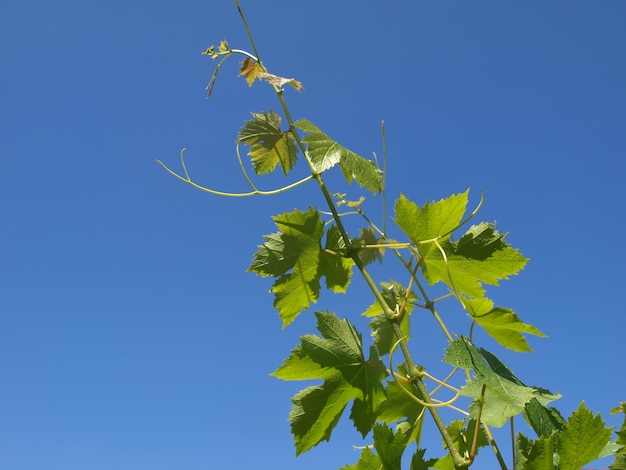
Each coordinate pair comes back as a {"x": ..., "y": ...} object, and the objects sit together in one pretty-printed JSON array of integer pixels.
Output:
[
  {"x": 250, "y": 70},
  {"x": 281, "y": 81}
]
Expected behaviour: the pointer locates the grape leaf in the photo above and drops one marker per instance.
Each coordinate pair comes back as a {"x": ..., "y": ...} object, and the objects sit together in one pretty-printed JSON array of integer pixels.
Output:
[
  {"x": 384, "y": 335},
  {"x": 535, "y": 455},
  {"x": 434, "y": 220},
  {"x": 501, "y": 324},
  {"x": 341, "y": 348},
  {"x": 394, "y": 294},
  {"x": 368, "y": 237},
  {"x": 544, "y": 421},
  {"x": 462, "y": 435},
  {"x": 505, "y": 395},
  {"x": 364, "y": 411},
  {"x": 316, "y": 411},
  {"x": 336, "y": 268},
  {"x": 480, "y": 242},
  {"x": 368, "y": 461},
  {"x": 294, "y": 256},
  {"x": 619, "y": 463},
  {"x": 419, "y": 463},
  {"x": 582, "y": 439},
  {"x": 300, "y": 366},
  {"x": 467, "y": 275},
  {"x": 326, "y": 153},
  {"x": 381, "y": 329},
  {"x": 621, "y": 434},
  {"x": 250, "y": 70},
  {"x": 480, "y": 257},
  {"x": 389, "y": 446},
  {"x": 338, "y": 359},
  {"x": 269, "y": 146},
  {"x": 399, "y": 405}
]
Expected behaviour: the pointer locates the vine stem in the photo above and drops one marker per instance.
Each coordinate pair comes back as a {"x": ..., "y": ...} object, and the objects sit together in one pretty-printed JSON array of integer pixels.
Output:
[{"x": 413, "y": 371}]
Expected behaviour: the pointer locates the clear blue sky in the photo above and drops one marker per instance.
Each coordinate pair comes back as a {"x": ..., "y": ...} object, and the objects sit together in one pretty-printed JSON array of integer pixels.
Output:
[{"x": 130, "y": 336}]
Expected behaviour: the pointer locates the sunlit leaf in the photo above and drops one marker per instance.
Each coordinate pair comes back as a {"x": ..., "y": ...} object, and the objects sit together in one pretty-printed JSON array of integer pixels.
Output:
[
  {"x": 250, "y": 70},
  {"x": 467, "y": 275},
  {"x": 316, "y": 411},
  {"x": 367, "y": 461},
  {"x": 338, "y": 359},
  {"x": 582, "y": 439},
  {"x": 505, "y": 395},
  {"x": 462, "y": 434},
  {"x": 224, "y": 47},
  {"x": 337, "y": 268},
  {"x": 326, "y": 153},
  {"x": 368, "y": 237},
  {"x": 389, "y": 446},
  {"x": 501, "y": 324},
  {"x": 269, "y": 146},
  {"x": 435, "y": 220}
]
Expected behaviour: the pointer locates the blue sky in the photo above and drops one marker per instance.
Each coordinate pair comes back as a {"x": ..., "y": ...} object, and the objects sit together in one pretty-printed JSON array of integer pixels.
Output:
[{"x": 130, "y": 335}]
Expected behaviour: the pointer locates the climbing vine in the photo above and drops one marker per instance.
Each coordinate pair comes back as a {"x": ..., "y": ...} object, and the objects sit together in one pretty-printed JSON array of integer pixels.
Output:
[{"x": 392, "y": 396}]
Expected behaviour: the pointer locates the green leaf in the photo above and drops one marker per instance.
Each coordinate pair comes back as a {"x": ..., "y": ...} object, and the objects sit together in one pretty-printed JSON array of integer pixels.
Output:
[
  {"x": 467, "y": 275},
  {"x": 326, "y": 153},
  {"x": 293, "y": 294},
  {"x": 419, "y": 463},
  {"x": 341, "y": 348},
  {"x": 296, "y": 290},
  {"x": 399, "y": 404},
  {"x": 365, "y": 410},
  {"x": 505, "y": 395},
  {"x": 535, "y": 455},
  {"x": 384, "y": 335},
  {"x": 389, "y": 446},
  {"x": 621, "y": 434},
  {"x": 316, "y": 411},
  {"x": 480, "y": 242},
  {"x": 368, "y": 255},
  {"x": 582, "y": 440},
  {"x": 336, "y": 357},
  {"x": 544, "y": 421},
  {"x": 382, "y": 330},
  {"x": 337, "y": 269},
  {"x": 368, "y": 461},
  {"x": 269, "y": 146},
  {"x": 294, "y": 256},
  {"x": 462, "y": 435},
  {"x": 300, "y": 366},
  {"x": 501, "y": 324},
  {"x": 619, "y": 463},
  {"x": 394, "y": 294},
  {"x": 480, "y": 257},
  {"x": 436, "y": 220}
]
